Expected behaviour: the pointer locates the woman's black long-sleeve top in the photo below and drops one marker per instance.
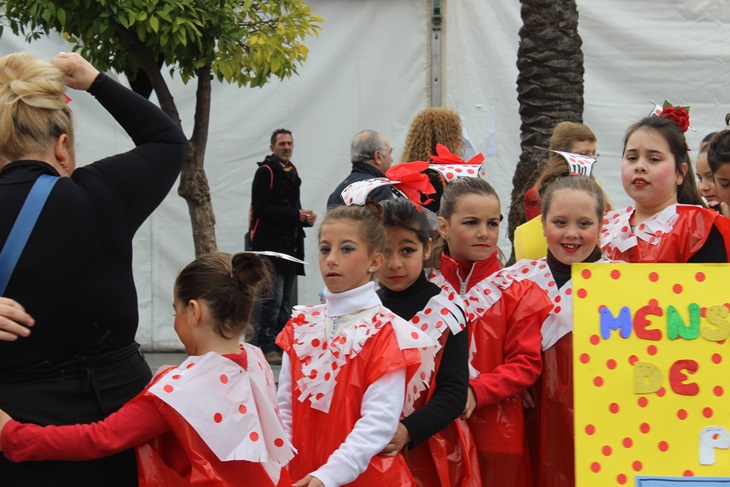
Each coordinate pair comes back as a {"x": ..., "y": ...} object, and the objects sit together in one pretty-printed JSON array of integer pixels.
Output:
[{"x": 75, "y": 273}]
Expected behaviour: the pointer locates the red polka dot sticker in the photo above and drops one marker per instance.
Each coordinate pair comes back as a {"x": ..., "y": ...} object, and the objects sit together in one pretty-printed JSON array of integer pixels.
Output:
[{"x": 650, "y": 373}]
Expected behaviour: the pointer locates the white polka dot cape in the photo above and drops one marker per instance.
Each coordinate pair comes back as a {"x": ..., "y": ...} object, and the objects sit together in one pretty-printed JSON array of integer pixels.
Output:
[
  {"x": 444, "y": 311},
  {"x": 322, "y": 360},
  {"x": 482, "y": 296},
  {"x": 232, "y": 410},
  {"x": 617, "y": 233}
]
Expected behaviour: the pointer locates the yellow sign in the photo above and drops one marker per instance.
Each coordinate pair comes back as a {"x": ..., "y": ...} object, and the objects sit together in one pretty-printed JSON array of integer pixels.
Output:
[{"x": 651, "y": 372}]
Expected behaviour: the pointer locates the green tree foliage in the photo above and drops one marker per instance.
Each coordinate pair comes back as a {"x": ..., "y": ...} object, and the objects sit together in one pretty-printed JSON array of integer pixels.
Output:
[{"x": 238, "y": 41}]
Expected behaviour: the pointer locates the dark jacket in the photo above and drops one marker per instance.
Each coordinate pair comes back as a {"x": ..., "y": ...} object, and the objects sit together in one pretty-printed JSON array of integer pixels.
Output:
[
  {"x": 275, "y": 205},
  {"x": 360, "y": 172}
]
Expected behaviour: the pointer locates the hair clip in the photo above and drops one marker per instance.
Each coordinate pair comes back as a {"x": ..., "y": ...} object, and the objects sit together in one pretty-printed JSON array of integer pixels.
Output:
[
  {"x": 67, "y": 100},
  {"x": 578, "y": 164},
  {"x": 267, "y": 253}
]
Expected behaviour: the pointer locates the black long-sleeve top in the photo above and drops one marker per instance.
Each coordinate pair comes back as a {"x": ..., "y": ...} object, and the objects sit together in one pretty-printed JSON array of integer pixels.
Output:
[
  {"x": 75, "y": 273},
  {"x": 452, "y": 377}
]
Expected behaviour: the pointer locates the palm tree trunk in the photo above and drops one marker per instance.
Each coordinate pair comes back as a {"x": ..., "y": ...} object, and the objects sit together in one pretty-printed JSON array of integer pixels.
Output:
[{"x": 549, "y": 87}]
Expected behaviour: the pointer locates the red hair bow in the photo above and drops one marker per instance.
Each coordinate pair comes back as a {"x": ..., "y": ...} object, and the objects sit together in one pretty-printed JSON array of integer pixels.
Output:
[
  {"x": 412, "y": 181},
  {"x": 445, "y": 156}
]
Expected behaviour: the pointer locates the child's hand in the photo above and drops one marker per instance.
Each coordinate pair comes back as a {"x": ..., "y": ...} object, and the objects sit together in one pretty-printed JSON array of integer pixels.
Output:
[
  {"x": 471, "y": 404},
  {"x": 4, "y": 418},
  {"x": 400, "y": 439},
  {"x": 308, "y": 481}
]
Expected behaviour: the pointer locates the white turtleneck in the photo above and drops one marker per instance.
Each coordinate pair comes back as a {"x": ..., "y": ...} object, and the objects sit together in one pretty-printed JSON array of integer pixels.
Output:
[
  {"x": 348, "y": 307},
  {"x": 381, "y": 403}
]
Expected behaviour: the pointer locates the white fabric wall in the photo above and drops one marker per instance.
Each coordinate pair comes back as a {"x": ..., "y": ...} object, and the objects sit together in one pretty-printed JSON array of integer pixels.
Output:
[{"x": 368, "y": 69}]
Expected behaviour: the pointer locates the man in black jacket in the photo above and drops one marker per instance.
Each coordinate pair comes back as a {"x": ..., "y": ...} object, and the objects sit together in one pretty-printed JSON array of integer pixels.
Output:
[
  {"x": 277, "y": 224},
  {"x": 371, "y": 155}
]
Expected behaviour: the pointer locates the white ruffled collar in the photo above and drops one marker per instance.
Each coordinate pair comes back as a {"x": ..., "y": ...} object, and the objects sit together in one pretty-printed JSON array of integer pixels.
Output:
[
  {"x": 618, "y": 233},
  {"x": 347, "y": 302}
]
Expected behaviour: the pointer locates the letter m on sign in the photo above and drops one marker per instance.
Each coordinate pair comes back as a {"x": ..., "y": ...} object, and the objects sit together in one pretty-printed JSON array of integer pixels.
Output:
[{"x": 622, "y": 322}]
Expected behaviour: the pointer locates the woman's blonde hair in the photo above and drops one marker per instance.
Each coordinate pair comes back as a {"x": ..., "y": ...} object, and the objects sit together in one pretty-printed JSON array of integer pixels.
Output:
[
  {"x": 433, "y": 125},
  {"x": 33, "y": 110}
]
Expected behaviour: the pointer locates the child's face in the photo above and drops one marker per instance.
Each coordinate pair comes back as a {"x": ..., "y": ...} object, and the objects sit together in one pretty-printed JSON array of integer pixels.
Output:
[
  {"x": 472, "y": 231},
  {"x": 706, "y": 183},
  {"x": 648, "y": 171},
  {"x": 345, "y": 259},
  {"x": 722, "y": 182},
  {"x": 572, "y": 227},
  {"x": 404, "y": 256}
]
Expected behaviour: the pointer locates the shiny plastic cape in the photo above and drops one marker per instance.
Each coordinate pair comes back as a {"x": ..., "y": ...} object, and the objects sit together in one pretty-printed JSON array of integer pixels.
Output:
[
  {"x": 671, "y": 236},
  {"x": 449, "y": 457},
  {"x": 379, "y": 355},
  {"x": 181, "y": 457},
  {"x": 205, "y": 469},
  {"x": 550, "y": 425},
  {"x": 498, "y": 428}
]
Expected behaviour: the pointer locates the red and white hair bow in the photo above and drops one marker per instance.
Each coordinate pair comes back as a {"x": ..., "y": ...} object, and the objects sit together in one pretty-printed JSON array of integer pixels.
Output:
[
  {"x": 452, "y": 166},
  {"x": 408, "y": 178}
]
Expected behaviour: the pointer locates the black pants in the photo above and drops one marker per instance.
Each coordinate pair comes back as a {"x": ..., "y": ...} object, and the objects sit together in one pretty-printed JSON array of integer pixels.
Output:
[{"x": 79, "y": 391}]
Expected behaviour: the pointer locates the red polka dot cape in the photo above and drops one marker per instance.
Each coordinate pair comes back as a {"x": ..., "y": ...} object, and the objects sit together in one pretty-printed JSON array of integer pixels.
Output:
[
  {"x": 671, "y": 236},
  {"x": 449, "y": 457},
  {"x": 330, "y": 378},
  {"x": 219, "y": 412},
  {"x": 504, "y": 319}
]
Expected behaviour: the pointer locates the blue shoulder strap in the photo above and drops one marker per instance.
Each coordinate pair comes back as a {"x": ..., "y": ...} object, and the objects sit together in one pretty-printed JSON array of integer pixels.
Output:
[{"x": 23, "y": 226}]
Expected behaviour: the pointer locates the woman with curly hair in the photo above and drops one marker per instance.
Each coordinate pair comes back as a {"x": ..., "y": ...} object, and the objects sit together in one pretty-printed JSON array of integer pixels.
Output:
[{"x": 433, "y": 125}]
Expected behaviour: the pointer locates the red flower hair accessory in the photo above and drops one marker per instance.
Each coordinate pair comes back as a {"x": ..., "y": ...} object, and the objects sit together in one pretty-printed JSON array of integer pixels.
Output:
[{"x": 677, "y": 114}]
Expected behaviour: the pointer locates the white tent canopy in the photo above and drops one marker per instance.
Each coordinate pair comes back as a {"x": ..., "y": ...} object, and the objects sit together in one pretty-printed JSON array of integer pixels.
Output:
[{"x": 369, "y": 69}]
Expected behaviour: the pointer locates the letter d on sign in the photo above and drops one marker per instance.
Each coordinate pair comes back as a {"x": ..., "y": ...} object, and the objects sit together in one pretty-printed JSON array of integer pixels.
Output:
[
  {"x": 710, "y": 438},
  {"x": 647, "y": 378}
]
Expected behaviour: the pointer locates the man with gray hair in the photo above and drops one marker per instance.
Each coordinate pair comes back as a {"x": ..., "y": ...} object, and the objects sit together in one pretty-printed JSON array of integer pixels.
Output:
[{"x": 371, "y": 156}]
